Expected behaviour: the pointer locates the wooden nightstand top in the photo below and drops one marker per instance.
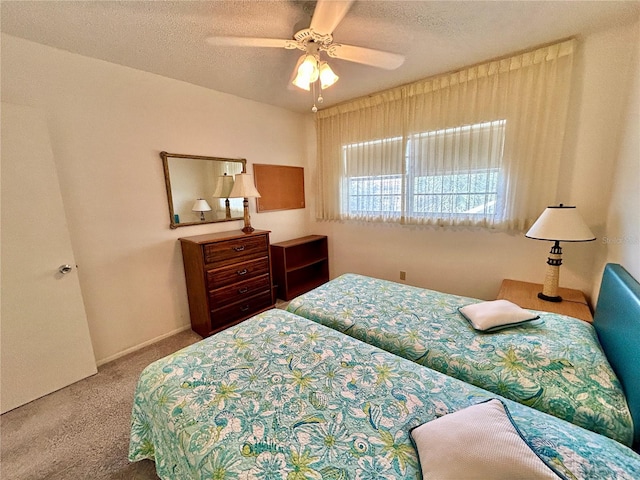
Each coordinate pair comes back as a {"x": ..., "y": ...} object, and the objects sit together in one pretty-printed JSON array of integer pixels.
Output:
[{"x": 525, "y": 294}]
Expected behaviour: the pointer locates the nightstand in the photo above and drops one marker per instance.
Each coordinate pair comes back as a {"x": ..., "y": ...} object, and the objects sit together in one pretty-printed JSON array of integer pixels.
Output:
[{"x": 525, "y": 294}]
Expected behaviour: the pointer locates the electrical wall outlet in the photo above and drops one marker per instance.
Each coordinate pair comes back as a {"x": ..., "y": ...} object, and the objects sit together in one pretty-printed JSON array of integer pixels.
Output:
[{"x": 403, "y": 275}]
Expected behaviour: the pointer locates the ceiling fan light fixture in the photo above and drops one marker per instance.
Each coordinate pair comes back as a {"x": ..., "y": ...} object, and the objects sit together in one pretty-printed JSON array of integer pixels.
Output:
[
  {"x": 308, "y": 72},
  {"x": 327, "y": 76},
  {"x": 315, "y": 40}
]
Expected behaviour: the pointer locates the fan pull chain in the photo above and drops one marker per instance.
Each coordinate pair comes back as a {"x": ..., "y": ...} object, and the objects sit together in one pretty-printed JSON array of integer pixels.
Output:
[{"x": 314, "y": 109}]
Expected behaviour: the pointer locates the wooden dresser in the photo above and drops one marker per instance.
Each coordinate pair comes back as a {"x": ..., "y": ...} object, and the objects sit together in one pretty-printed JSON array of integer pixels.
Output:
[{"x": 228, "y": 278}]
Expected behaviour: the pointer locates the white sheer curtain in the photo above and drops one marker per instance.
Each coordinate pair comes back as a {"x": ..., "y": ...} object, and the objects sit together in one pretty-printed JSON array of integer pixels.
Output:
[{"x": 481, "y": 146}]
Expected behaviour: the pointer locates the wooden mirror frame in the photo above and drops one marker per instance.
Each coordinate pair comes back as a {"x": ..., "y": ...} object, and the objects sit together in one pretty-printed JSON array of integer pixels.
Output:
[{"x": 170, "y": 194}]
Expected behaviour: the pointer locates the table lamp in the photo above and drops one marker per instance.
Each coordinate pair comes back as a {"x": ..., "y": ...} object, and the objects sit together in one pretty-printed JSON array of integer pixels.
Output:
[
  {"x": 223, "y": 189},
  {"x": 243, "y": 187},
  {"x": 558, "y": 224},
  {"x": 201, "y": 206}
]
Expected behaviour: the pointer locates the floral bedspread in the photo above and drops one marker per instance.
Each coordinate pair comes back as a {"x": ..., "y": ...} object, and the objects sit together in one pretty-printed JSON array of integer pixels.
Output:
[
  {"x": 281, "y": 397},
  {"x": 554, "y": 364}
]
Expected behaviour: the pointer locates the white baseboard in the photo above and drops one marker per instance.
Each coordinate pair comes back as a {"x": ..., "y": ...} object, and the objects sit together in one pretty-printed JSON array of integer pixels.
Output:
[{"x": 142, "y": 345}]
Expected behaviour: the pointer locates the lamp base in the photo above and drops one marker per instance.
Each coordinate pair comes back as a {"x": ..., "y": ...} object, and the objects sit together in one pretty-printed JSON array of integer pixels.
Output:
[
  {"x": 227, "y": 209},
  {"x": 549, "y": 291},
  {"x": 247, "y": 222},
  {"x": 547, "y": 298}
]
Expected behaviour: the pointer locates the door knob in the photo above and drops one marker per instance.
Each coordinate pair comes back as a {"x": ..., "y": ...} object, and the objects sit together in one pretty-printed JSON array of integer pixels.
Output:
[{"x": 64, "y": 269}]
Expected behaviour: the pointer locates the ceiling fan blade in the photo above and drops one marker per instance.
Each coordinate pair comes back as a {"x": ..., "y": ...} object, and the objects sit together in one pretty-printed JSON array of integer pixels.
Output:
[
  {"x": 328, "y": 14},
  {"x": 252, "y": 42},
  {"x": 366, "y": 56}
]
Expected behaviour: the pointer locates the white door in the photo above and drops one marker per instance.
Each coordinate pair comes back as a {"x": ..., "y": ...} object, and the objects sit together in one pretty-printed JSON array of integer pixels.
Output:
[{"x": 44, "y": 336}]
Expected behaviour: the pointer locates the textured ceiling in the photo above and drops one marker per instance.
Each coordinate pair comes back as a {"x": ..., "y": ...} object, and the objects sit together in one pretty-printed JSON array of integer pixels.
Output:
[{"x": 168, "y": 37}]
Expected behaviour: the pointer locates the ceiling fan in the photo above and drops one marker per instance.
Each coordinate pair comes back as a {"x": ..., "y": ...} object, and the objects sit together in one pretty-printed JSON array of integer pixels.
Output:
[{"x": 318, "y": 38}]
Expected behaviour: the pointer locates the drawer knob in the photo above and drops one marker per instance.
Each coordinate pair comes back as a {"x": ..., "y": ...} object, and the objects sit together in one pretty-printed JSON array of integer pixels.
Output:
[
  {"x": 244, "y": 271},
  {"x": 245, "y": 308},
  {"x": 239, "y": 249},
  {"x": 243, "y": 290}
]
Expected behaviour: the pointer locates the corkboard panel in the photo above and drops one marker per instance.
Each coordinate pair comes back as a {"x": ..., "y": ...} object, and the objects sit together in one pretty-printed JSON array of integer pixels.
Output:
[{"x": 280, "y": 187}]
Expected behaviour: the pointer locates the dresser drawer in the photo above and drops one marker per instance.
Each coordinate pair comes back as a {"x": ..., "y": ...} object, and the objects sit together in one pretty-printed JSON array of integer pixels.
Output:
[
  {"x": 221, "y": 277},
  {"x": 239, "y": 291},
  {"x": 236, "y": 250},
  {"x": 238, "y": 310}
]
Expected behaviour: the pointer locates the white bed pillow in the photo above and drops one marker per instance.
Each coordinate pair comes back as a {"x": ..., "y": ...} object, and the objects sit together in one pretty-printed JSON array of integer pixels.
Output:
[
  {"x": 495, "y": 315},
  {"x": 478, "y": 442}
]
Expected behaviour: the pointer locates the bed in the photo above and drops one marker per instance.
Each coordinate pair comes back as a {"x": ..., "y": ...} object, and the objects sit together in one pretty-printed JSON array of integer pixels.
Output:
[
  {"x": 283, "y": 397},
  {"x": 554, "y": 364}
]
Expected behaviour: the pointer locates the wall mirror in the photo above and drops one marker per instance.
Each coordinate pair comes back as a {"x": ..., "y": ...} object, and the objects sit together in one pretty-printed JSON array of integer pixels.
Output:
[{"x": 197, "y": 188}]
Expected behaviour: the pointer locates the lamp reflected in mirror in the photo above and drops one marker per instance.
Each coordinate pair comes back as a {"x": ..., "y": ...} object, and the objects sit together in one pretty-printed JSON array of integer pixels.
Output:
[
  {"x": 201, "y": 206},
  {"x": 224, "y": 185}
]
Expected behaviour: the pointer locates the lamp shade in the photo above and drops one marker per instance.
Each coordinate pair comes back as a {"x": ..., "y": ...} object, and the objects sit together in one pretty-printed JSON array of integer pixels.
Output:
[
  {"x": 327, "y": 76},
  {"x": 307, "y": 72},
  {"x": 243, "y": 187},
  {"x": 562, "y": 224},
  {"x": 201, "y": 205},
  {"x": 224, "y": 186}
]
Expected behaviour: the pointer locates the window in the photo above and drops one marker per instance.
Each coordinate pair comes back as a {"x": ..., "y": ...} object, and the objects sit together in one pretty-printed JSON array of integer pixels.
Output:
[
  {"x": 454, "y": 171},
  {"x": 471, "y": 193},
  {"x": 480, "y": 146},
  {"x": 380, "y": 194}
]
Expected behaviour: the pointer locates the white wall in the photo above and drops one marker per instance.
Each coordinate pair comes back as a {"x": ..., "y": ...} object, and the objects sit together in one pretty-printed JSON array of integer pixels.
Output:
[
  {"x": 605, "y": 174},
  {"x": 108, "y": 124},
  {"x": 621, "y": 239},
  {"x": 473, "y": 262}
]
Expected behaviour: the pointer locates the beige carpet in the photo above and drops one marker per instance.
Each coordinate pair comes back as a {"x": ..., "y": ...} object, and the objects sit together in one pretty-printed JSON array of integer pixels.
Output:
[{"x": 82, "y": 431}]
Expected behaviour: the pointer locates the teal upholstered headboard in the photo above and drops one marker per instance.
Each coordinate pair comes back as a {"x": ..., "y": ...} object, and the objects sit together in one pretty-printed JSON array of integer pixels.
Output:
[{"x": 617, "y": 322}]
